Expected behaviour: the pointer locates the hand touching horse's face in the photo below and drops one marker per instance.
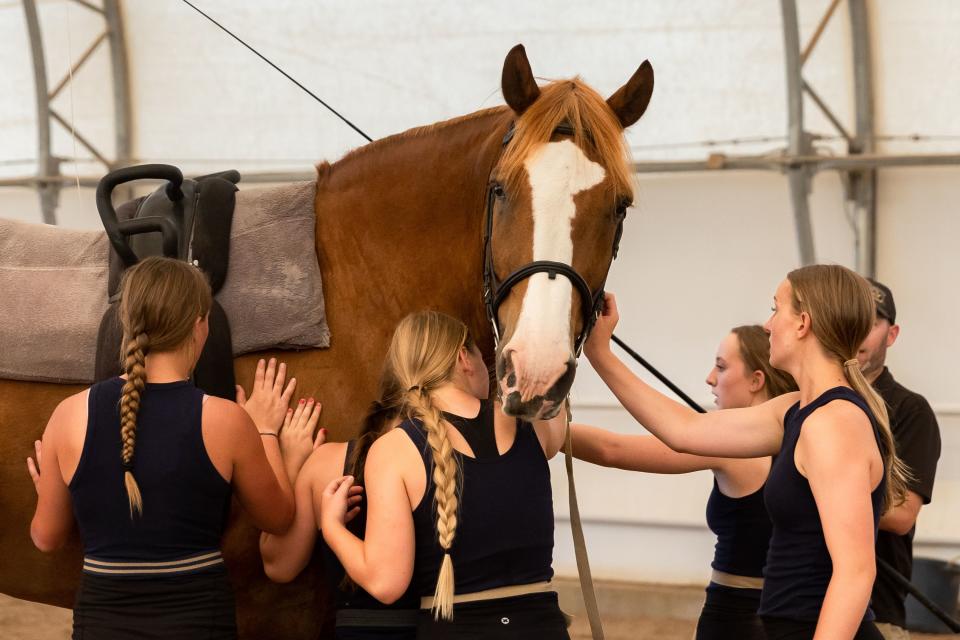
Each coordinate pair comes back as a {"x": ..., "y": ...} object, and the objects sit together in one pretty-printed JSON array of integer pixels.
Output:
[{"x": 561, "y": 195}]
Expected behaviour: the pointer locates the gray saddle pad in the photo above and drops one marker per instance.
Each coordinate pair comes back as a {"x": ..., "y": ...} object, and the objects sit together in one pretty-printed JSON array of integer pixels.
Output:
[{"x": 53, "y": 287}]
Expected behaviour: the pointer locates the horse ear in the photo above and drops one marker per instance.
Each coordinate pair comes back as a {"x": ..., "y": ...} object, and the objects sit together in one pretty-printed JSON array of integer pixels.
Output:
[
  {"x": 519, "y": 88},
  {"x": 631, "y": 100}
]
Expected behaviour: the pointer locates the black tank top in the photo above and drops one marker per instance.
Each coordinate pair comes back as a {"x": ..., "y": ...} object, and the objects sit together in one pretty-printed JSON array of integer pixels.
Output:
[
  {"x": 185, "y": 499},
  {"x": 505, "y": 519},
  {"x": 743, "y": 532},
  {"x": 352, "y": 596},
  {"x": 798, "y": 564}
]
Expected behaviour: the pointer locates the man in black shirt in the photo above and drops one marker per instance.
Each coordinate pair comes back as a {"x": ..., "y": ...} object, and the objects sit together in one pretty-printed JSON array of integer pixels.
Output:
[{"x": 917, "y": 438}]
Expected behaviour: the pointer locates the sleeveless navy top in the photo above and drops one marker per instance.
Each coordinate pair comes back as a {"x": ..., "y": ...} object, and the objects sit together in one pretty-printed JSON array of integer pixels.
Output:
[
  {"x": 185, "y": 499},
  {"x": 353, "y": 596},
  {"x": 505, "y": 519},
  {"x": 798, "y": 567},
  {"x": 743, "y": 532}
]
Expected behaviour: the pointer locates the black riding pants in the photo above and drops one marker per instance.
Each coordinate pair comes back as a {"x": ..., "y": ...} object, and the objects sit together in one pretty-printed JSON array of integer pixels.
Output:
[
  {"x": 518, "y": 618},
  {"x": 730, "y": 613}
]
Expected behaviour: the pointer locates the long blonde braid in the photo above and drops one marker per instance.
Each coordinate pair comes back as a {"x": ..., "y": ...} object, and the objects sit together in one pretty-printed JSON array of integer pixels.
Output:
[
  {"x": 160, "y": 302},
  {"x": 134, "y": 366},
  {"x": 423, "y": 356},
  {"x": 445, "y": 480}
]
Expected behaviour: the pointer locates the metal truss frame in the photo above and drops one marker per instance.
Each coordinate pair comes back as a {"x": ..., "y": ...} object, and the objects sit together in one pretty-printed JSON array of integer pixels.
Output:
[
  {"x": 799, "y": 161},
  {"x": 49, "y": 180}
]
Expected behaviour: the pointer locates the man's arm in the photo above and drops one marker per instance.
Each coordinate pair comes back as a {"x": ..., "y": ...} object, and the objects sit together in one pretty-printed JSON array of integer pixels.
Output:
[
  {"x": 902, "y": 518},
  {"x": 917, "y": 437}
]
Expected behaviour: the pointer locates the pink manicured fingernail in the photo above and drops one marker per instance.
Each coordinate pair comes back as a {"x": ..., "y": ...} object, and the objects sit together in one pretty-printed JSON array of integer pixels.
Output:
[{"x": 302, "y": 400}]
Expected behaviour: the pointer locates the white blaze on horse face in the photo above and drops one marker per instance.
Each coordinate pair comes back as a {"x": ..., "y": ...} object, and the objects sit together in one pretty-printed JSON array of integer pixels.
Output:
[{"x": 540, "y": 345}]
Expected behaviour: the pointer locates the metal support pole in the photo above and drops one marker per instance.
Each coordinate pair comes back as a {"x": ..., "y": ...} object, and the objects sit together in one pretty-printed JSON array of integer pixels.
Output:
[
  {"x": 863, "y": 184},
  {"x": 121, "y": 84},
  {"x": 799, "y": 143},
  {"x": 122, "y": 115},
  {"x": 47, "y": 164},
  {"x": 48, "y": 180}
]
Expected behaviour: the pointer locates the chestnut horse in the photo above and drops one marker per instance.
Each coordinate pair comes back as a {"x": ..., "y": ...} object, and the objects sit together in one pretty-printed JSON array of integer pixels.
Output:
[{"x": 402, "y": 225}]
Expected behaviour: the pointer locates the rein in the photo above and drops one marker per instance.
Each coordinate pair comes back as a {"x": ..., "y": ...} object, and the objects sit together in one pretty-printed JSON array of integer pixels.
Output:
[{"x": 496, "y": 291}]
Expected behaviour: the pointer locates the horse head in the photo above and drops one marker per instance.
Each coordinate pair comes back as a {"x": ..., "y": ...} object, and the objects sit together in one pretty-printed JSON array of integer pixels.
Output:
[{"x": 556, "y": 203}]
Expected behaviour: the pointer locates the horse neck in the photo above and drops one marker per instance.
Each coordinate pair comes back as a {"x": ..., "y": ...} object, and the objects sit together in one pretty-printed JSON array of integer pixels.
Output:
[{"x": 413, "y": 206}]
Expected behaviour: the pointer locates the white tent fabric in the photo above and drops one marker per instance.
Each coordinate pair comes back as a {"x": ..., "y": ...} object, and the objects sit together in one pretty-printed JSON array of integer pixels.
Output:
[
  {"x": 199, "y": 98},
  {"x": 701, "y": 253}
]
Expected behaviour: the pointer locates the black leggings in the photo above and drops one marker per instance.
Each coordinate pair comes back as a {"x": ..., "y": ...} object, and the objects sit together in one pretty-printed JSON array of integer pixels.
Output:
[
  {"x": 519, "y": 618},
  {"x": 155, "y": 608},
  {"x": 783, "y": 629},
  {"x": 730, "y": 613}
]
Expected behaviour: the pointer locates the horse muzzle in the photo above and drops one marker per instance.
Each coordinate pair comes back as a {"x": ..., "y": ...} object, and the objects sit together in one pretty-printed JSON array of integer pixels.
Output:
[{"x": 533, "y": 392}]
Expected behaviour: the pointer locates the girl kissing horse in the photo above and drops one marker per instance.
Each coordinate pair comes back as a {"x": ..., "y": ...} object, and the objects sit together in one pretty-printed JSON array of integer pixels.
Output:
[{"x": 519, "y": 206}]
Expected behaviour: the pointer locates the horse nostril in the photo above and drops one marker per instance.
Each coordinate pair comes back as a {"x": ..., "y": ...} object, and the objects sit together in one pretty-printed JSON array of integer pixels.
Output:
[{"x": 505, "y": 366}]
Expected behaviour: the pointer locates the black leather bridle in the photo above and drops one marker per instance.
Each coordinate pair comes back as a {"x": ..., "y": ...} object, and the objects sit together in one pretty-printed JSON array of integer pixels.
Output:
[{"x": 495, "y": 291}]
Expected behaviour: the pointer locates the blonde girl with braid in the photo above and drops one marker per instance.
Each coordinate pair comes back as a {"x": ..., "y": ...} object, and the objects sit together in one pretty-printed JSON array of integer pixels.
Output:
[
  {"x": 144, "y": 466},
  {"x": 835, "y": 469},
  {"x": 459, "y": 505}
]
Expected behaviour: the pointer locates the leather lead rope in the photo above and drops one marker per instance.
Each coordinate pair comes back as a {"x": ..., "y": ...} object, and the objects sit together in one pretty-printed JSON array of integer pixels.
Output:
[{"x": 579, "y": 543}]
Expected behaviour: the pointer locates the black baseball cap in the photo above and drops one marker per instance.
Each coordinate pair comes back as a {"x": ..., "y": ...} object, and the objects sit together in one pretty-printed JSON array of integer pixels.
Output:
[{"x": 884, "y": 300}]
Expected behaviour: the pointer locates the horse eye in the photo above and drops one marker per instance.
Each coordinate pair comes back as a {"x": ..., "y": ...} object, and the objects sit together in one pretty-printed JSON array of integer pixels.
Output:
[
  {"x": 498, "y": 190},
  {"x": 622, "y": 209}
]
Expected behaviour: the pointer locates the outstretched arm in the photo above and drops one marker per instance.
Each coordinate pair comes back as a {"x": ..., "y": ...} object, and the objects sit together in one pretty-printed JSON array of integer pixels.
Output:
[
  {"x": 286, "y": 555},
  {"x": 751, "y": 432},
  {"x": 635, "y": 452}
]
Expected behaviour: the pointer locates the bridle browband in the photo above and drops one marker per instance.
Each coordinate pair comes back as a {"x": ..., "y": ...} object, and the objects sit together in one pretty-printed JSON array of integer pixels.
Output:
[{"x": 495, "y": 291}]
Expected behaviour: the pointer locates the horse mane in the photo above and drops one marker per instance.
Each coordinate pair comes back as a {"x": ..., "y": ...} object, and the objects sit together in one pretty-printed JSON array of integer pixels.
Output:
[
  {"x": 424, "y": 130},
  {"x": 596, "y": 129}
]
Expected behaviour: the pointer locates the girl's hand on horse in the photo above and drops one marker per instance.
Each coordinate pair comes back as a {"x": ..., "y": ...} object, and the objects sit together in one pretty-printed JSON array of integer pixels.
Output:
[
  {"x": 341, "y": 502},
  {"x": 33, "y": 468},
  {"x": 268, "y": 401},
  {"x": 296, "y": 437},
  {"x": 353, "y": 502},
  {"x": 598, "y": 342}
]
